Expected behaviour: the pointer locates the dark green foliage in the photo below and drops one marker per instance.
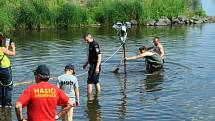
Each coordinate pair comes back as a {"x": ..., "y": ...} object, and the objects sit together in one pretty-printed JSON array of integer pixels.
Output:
[
  {"x": 118, "y": 10},
  {"x": 33, "y": 14},
  {"x": 70, "y": 14}
]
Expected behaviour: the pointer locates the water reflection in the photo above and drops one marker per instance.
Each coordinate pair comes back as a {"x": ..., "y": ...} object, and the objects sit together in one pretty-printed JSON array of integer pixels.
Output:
[
  {"x": 123, "y": 100},
  {"x": 93, "y": 108},
  {"x": 153, "y": 82},
  {"x": 5, "y": 114}
]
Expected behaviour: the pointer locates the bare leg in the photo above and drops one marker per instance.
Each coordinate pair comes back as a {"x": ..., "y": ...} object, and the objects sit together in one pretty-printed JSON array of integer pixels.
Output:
[
  {"x": 90, "y": 97},
  {"x": 98, "y": 88},
  {"x": 70, "y": 114},
  {"x": 89, "y": 88}
]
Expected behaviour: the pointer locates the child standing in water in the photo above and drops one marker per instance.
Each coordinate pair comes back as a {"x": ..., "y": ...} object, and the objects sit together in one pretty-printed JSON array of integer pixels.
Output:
[{"x": 69, "y": 84}]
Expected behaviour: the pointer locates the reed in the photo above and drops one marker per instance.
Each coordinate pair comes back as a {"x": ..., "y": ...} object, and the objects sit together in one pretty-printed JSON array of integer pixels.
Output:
[{"x": 31, "y": 14}]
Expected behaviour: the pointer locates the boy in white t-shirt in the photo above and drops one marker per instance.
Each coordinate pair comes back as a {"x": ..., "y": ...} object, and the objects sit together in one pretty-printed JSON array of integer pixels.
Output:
[{"x": 69, "y": 84}]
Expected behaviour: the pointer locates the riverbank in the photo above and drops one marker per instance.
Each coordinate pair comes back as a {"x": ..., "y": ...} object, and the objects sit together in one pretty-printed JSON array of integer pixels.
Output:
[
  {"x": 37, "y": 14},
  {"x": 181, "y": 20}
]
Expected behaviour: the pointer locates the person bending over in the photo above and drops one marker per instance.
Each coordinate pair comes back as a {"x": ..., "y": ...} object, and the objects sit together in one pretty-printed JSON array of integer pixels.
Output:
[{"x": 153, "y": 60}]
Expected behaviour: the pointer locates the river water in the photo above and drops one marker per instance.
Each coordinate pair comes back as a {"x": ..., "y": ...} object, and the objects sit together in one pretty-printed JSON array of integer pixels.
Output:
[{"x": 183, "y": 90}]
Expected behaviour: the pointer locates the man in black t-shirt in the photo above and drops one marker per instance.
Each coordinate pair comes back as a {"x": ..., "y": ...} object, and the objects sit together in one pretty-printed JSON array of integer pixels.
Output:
[{"x": 94, "y": 59}]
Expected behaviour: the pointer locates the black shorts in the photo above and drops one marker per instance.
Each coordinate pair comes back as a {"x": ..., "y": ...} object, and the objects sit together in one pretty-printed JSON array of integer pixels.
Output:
[{"x": 93, "y": 78}]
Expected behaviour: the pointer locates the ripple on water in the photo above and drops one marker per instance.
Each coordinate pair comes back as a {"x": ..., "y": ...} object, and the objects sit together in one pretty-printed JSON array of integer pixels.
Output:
[{"x": 182, "y": 91}]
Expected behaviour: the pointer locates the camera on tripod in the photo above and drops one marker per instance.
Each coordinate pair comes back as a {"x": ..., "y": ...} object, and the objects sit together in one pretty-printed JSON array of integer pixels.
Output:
[{"x": 122, "y": 30}]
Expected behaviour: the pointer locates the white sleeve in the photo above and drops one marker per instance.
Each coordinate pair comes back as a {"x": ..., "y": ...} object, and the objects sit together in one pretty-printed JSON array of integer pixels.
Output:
[{"x": 76, "y": 83}]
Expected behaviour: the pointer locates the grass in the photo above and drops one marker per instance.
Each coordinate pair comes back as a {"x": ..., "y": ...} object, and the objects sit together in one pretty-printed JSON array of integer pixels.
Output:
[{"x": 36, "y": 14}]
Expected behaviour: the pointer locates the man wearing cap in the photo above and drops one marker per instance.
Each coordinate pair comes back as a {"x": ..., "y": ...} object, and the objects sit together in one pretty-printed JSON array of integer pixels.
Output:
[
  {"x": 153, "y": 60},
  {"x": 69, "y": 84},
  {"x": 94, "y": 59},
  {"x": 42, "y": 99}
]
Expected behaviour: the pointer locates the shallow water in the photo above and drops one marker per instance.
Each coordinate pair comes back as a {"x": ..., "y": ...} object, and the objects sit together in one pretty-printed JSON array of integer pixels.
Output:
[{"x": 183, "y": 90}]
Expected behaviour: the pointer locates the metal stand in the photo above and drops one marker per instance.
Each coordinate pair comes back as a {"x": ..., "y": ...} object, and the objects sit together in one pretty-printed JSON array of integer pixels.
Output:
[
  {"x": 124, "y": 53},
  {"x": 122, "y": 33}
]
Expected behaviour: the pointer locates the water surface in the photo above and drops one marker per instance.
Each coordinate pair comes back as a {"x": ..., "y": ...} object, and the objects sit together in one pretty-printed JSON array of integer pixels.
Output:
[{"x": 183, "y": 90}]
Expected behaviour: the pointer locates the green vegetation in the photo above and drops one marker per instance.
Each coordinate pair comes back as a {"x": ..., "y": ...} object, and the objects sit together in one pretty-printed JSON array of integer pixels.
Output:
[{"x": 36, "y": 14}]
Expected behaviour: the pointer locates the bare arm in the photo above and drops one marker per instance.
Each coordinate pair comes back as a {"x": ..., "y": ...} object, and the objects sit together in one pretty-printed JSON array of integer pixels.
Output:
[
  {"x": 18, "y": 110},
  {"x": 99, "y": 61},
  {"x": 161, "y": 51},
  {"x": 9, "y": 52},
  {"x": 148, "y": 53},
  {"x": 135, "y": 57},
  {"x": 77, "y": 94},
  {"x": 65, "y": 109}
]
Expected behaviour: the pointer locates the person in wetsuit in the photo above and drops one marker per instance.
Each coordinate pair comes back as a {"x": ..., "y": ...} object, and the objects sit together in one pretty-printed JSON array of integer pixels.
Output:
[{"x": 153, "y": 60}]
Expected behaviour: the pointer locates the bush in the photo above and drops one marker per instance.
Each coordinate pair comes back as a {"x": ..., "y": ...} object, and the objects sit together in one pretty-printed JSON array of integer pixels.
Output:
[
  {"x": 141, "y": 10},
  {"x": 27, "y": 15},
  {"x": 70, "y": 14},
  {"x": 64, "y": 13},
  {"x": 154, "y": 9},
  {"x": 6, "y": 23},
  {"x": 118, "y": 10},
  {"x": 42, "y": 12}
]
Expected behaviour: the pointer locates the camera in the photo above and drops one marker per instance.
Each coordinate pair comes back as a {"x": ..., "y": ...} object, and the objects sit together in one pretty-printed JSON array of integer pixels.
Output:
[
  {"x": 122, "y": 26},
  {"x": 8, "y": 42},
  {"x": 122, "y": 30}
]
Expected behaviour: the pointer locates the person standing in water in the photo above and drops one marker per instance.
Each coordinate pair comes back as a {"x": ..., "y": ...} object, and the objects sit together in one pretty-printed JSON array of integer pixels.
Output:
[
  {"x": 69, "y": 84},
  {"x": 6, "y": 83},
  {"x": 42, "y": 99},
  {"x": 153, "y": 61},
  {"x": 94, "y": 59},
  {"x": 158, "y": 48}
]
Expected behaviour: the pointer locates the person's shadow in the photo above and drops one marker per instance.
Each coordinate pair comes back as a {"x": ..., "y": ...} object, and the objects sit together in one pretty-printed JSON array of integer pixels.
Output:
[
  {"x": 5, "y": 114},
  {"x": 93, "y": 108}
]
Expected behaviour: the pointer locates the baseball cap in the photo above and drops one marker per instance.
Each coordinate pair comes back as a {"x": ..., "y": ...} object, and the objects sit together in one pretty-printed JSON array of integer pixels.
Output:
[
  {"x": 70, "y": 66},
  {"x": 42, "y": 70},
  {"x": 143, "y": 48},
  {"x": 1, "y": 34}
]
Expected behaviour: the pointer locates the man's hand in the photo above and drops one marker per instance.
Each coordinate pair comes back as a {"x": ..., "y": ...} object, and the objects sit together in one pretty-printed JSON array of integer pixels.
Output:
[
  {"x": 126, "y": 58},
  {"x": 97, "y": 70}
]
